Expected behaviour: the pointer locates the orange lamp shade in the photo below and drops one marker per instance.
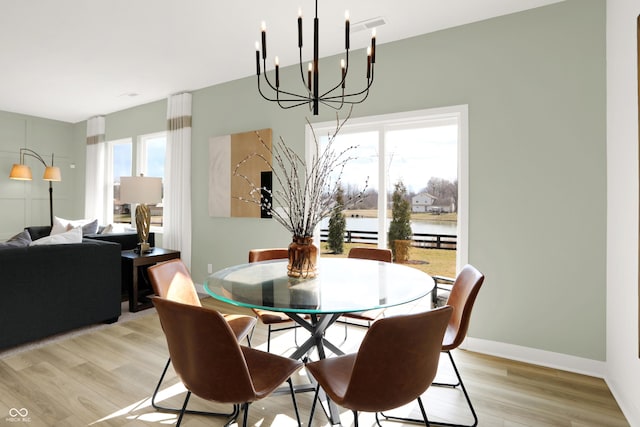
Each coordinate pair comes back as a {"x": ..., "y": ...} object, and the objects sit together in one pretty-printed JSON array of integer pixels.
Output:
[
  {"x": 52, "y": 173},
  {"x": 21, "y": 172}
]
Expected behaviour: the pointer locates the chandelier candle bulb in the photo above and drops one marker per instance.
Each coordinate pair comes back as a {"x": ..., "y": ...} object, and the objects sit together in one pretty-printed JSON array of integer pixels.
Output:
[
  {"x": 373, "y": 46},
  {"x": 368, "y": 62},
  {"x": 309, "y": 76},
  {"x": 264, "y": 40},
  {"x": 344, "y": 72},
  {"x": 346, "y": 30},
  {"x": 299, "y": 28},
  {"x": 257, "y": 59},
  {"x": 277, "y": 62}
]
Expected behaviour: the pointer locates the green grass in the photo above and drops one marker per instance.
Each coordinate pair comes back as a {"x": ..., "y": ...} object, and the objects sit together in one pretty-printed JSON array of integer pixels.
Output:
[{"x": 431, "y": 261}]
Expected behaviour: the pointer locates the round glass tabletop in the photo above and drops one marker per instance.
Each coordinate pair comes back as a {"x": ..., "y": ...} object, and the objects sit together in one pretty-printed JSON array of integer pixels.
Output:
[{"x": 342, "y": 285}]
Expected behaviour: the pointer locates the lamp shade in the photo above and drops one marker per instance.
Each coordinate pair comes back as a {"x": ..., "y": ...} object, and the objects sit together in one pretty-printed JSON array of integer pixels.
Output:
[
  {"x": 52, "y": 173},
  {"x": 21, "y": 172},
  {"x": 140, "y": 189}
]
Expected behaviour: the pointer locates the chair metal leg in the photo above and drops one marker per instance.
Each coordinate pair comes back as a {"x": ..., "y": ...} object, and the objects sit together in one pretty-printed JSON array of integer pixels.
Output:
[
  {"x": 295, "y": 404},
  {"x": 245, "y": 416},
  {"x": 424, "y": 413},
  {"x": 355, "y": 418},
  {"x": 466, "y": 395},
  {"x": 234, "y": 417},
  {"x": 313, "y": 404},
  {"x": 424, "y": 416},
  {"x": 155, "y": 392},
  {"x": 438, "y": 423},
  {"x": 269, "y": 331},
  {"x": 184, "y": 410}
]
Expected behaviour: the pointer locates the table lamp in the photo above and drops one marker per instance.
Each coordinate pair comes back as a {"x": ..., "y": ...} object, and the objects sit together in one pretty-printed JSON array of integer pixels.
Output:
[
  {"x": 142, "y": 190},
  {"x": 22, "y": 172}
]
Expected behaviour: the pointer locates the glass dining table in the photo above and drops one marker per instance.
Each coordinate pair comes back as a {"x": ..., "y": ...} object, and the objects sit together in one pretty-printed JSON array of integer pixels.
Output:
[{"x": 342, "y": 285}]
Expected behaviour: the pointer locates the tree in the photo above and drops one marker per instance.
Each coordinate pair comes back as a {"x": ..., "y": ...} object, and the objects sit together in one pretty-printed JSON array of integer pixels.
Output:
[
  {"x": 337, "y": 225},
  {"x": 445, "y": 191},
  {"x": 400, "y": 226}
]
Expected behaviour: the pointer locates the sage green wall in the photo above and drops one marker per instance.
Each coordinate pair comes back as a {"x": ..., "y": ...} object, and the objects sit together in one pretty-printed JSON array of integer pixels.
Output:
[
  {"x": 25, "y": 203},
  {"x": 535, "y": 86},
  {"x": 133, "y": 122}
]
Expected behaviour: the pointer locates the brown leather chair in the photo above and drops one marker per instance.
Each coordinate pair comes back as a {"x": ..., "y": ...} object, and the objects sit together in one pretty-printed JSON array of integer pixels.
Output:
[
  {"x": 272, "y": 318},
  {"x": 391, "y": 367},
  {"x": 462, "y": 298},
  {"x": 171, "y": 280},
  {"x": 375, "y": 254},
  {"x": 212, "y": 364}
]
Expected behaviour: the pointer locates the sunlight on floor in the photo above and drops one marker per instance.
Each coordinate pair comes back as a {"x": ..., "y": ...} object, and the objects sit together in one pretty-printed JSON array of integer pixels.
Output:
[{"x": 145, "y": 404}]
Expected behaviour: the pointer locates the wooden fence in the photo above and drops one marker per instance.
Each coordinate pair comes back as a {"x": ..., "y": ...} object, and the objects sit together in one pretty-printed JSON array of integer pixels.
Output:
[{"x": 418, "y": 240}]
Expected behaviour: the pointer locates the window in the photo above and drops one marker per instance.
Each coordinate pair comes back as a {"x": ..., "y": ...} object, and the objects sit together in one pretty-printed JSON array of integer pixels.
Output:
[
  {"x": 121, "y": 164},
  {"x": 149, "y": 161},
  {"x": 425, "y": 150},
  {"x": 151, "y": 155}
]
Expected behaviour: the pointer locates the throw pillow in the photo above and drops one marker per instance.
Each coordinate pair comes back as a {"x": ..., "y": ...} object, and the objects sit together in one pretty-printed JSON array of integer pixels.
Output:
[
  {"x": 107, "y": 229},
  {"x": 61, "y": 225},
  {"x": 72, "y": 236},
  {"x": 20, "y": 240}
]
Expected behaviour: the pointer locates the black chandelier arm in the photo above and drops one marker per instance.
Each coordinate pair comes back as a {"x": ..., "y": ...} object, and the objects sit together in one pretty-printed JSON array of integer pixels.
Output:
[
  {"x": 297, "y": 97},
  {"x": 331, "y": 102},
  {"x": 342, "y": 81},
  {"x": 346, "y": 97},
  {"x": 298, "y": 102}
]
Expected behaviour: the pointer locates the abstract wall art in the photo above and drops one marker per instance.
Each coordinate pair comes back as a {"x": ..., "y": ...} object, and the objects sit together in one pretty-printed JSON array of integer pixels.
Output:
[{"x": 226, "y": 189}]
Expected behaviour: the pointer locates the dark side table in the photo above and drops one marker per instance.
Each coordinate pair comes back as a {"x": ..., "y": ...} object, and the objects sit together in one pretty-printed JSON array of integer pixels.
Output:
[{"x": 132, "y": 264}]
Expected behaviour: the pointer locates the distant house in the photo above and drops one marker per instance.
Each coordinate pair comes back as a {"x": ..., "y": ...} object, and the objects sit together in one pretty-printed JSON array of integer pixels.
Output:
[{"x": 422, "y": 202}]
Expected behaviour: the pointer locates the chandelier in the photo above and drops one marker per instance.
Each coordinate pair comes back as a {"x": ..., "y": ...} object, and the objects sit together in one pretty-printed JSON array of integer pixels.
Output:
[{"x": 335, "y": 97}]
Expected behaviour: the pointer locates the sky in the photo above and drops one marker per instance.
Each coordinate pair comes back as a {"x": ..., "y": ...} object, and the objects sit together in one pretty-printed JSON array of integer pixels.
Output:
[{"x": 413, "y": 156}]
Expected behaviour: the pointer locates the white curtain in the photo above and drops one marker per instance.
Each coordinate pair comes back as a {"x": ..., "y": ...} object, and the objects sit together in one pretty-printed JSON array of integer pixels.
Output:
[
  {"x": 95, "y": 205},
  {"x": 177, "y": 184}
]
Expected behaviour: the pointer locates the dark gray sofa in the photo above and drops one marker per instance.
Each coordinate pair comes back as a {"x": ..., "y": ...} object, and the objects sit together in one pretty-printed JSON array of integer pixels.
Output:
[{"x": 49, "y": 289}]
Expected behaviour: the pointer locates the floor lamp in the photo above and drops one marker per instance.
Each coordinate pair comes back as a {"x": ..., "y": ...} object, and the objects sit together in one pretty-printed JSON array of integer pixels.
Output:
[{"x": 22, "y": 172}]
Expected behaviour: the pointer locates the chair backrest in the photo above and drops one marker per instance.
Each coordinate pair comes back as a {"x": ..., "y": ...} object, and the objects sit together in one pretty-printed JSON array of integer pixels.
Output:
[
  {"x": 397, "y": 360},
  {"x": 462, "y": 297},
  {"x": 375, "y": 254},
  {"x": 204, "y": 352},
  {"x": 256, "y": 255},
  {"x": 171, "y": 280}
]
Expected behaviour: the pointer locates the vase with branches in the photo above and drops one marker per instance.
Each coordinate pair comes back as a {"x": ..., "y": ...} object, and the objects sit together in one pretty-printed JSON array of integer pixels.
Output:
[{"x": 304, "y": 192}]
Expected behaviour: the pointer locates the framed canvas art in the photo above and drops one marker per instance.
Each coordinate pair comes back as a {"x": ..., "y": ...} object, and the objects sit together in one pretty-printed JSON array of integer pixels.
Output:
[{"x": 228, "y": 192}]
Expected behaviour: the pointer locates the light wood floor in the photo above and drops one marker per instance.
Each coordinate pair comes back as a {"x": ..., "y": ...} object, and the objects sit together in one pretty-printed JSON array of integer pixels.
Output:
[{"x": 105, "y": 377}]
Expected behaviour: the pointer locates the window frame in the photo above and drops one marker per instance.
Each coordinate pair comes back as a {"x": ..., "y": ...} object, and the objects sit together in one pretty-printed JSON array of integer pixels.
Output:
[{"x": 405, "y": 120}]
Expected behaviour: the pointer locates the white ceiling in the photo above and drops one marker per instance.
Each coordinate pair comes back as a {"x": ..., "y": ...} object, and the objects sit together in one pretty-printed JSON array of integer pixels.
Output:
[{"x": 72, "y": 59}]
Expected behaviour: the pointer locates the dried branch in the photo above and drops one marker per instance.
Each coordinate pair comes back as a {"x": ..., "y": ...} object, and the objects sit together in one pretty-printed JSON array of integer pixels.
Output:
[{"x": 306, "y": 194}]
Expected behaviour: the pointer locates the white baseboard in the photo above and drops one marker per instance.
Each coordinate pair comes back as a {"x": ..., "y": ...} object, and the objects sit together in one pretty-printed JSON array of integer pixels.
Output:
[
  {"x": 579, "y": 365},
  {"x": 629, "y": 407}
]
